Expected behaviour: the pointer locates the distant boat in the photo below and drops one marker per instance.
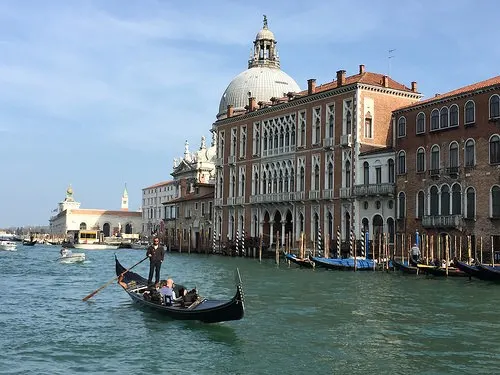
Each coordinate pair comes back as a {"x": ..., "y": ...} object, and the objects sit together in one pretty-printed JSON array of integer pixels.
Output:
[
  {"x": 8, "y": 246},
  {"x": 95, "y": 246},
  {"x": 67, "y": 256},
  {"x": 301, "y": 262},
  {"x": 29, "y": 242}
]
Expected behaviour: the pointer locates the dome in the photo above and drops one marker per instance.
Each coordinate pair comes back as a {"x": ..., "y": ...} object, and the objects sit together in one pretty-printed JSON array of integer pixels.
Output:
[
  {"x": 265, "y": 34},
  {"x": 260, "y": 82}
]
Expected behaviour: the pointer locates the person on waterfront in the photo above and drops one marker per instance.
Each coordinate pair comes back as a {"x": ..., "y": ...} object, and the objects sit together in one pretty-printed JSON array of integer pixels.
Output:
[{"x": 156, "y": 254}]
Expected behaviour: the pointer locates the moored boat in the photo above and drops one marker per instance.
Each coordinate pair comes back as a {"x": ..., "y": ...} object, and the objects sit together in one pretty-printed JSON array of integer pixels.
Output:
[
  {"x": 403, "y": 267},
  {"x": 345, "y": 264},
  {"x": 301, "y": 262},
  {"x": 8, "y": 245},
  {"x": 203, "y": 309},
  {"x": 441, "y": 271},
  {"x": 94, "y": 246}
]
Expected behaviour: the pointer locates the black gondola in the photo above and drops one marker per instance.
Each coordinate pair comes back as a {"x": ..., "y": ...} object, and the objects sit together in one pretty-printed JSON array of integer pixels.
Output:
[
  {"x": 480, "y": 271},
  {"x": 204, "y": 310},
  {"x": 301, "y": 262},
  {"x": 29, "y": 243},
  {"x": 404, "y": 267}
]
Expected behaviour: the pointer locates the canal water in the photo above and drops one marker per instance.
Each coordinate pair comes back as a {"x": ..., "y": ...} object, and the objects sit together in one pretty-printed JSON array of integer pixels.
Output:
[{"x": 297, "y": 321}]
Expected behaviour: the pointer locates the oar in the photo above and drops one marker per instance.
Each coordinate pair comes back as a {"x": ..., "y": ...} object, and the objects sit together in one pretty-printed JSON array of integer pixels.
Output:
[{"x": 110, "y": 281}]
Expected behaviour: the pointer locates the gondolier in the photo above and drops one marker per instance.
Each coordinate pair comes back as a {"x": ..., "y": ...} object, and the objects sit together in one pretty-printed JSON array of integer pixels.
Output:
[
  {"x": 156, "y": 254},
  {"x": 415, "y": 254}
]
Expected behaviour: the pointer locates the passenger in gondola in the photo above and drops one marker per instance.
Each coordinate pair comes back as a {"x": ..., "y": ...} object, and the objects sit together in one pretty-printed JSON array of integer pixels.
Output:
[
  {"x": 167, "y": 292},
  {"x": 122, "y": 283}
]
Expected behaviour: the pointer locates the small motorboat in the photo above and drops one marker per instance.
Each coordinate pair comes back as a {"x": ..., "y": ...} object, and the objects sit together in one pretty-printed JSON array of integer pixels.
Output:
[
  {"x": 67, "y": 256},
  {"x": 8, "y": 245}
]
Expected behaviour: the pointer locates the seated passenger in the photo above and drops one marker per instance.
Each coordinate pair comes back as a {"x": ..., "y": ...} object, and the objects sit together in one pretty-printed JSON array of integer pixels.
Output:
[
  {"x": 122, "y": 283},
  {"x": 167, "y": 292}
]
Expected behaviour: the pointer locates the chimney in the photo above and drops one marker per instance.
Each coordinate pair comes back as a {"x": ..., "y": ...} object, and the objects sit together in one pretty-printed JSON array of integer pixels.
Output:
[
  {"x": 311, "y": 86},
  {"x": 252, "y": 104},
  {"x": 385, "y": 81},
  {"x": 229, "y": 112},
  {"x": 290, "y": 95},
  {"x": 274, "y": 100},
  {"x": 361, "y": 69},
  {"x": 414, "y": 86},
  {"x": 340, "y": 78},
  {"x": 260, "y": 104},
  {"x": 436, "y": 95}
]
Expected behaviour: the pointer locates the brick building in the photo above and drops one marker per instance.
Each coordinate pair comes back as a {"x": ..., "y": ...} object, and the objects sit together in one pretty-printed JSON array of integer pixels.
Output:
[
  {"x": 448, "y": 164},
  {"x": 290, "y": 162}
]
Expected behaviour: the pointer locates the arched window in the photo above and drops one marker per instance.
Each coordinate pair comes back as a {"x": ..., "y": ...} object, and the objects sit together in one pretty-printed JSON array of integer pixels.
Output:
[
  {"x": 256, "y": 183},
  {"x": 347, "y": 174},
  {"x": 456, "y": 199},
  {"x": 495, "y": 201},
  {"x": 494, "y": 149},
  {"x": 470, "y": 208},
  {"x": 390, "y": 229},
  {"x": 469, "y": 153},
  {"x": 330, "y": 176},
  {"x": 435, "y": 119},
  {"x": 402, "y": 126},
  {"x": 401, "y": 162},
  {"x": 453, "y": 155},
  {"x": 302, "y": 179},
  {"x": 316, "y": 177},
  {"x": 494, "y": 106},
  {"x": 366, "y": 173},
  {"x": 435, "y": 159},
  {"x": 420, "y": 123},
  {"x": 443, "y": 118},
  {"x": 401, "y": 205},
  {"x": 445, "y": 200},
  {"x": 420, "y": 204},
  {"x": 470, "y": 112},
  {"x": 434, "y": 201},
  {"x": 83, "y": 226},
  {"x": 454, "y": 115},
  {"x": 330, "y": 126},
  {"x": 420, "y": 160},
  {"x": 264, "y": 184}
]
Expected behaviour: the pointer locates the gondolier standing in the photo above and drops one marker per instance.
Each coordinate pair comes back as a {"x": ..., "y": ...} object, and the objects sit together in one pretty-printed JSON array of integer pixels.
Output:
[{"x": 156, "y": 254}]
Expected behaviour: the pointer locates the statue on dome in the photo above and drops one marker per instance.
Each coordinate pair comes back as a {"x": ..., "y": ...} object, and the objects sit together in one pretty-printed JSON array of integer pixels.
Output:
[
  {"x": 265, "y": 21},
  {"x": 203, "y": 143}
]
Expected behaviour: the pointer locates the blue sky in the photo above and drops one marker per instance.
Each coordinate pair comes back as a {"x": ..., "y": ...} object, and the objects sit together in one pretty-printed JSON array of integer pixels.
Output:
[{"x": 103, "y": 93}]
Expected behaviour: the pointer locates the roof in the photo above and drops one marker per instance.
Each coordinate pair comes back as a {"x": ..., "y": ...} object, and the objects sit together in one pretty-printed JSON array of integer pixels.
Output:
[
  {"x": 191, "y": 197},
  {"x": 159, "y": 184},
  {"x": 369, "y": 78},
  {"x": 460, "y": 91},
  {"x": 91, "y": 211},
  {"x": 373, "y": 150}
]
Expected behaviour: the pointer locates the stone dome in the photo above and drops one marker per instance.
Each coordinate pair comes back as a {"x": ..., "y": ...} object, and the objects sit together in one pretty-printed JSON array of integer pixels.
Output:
[
  {"x": 260, "y": 82},
  {"x": 264, "y": 34}
]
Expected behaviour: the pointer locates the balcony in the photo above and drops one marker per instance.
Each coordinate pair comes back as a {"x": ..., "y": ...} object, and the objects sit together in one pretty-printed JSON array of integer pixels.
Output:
[
  {"x": 240, "y": 200},
  {"x": 442, "y": 221},
  {"x": 328, "y": 143},
  {"x": 231, "y": 159},
  {"x": 346, "y": 140},
  {"x": 269, "y": 198},
  {"x": 300, "y": 195},
  {"x": 374, "y": 189},
  {"x": 219, "y": 162},
  {"x": 314, "y": 194},
  {"x": 452, "y": 171},
  {"x": 231, "y": 200},
  {"x": 434, "y": 172},
  {"x": 328, "y": 194},
  {"x": 218, "y": 202},
  {"x": 345, "y": 192}
]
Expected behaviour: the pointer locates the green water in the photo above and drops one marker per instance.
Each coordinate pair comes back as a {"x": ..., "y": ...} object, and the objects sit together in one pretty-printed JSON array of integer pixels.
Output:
[{"x": 297, "y": 321}]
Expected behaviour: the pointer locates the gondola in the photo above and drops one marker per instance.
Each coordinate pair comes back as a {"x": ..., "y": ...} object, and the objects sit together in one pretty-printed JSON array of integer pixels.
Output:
[
  {"x": 301, "y": 262},
  {"x": 441, "y": 271},
  {"x": 404, "y": 267},
  {"x": 29, "y": 243},
  {"x": 470, "y": 269},
  {"x": 345, "y": 264},
  {"x": 203, "y": 309}
]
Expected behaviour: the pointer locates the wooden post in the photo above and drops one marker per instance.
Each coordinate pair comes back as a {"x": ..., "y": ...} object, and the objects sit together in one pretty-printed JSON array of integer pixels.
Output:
[
  {"x": 492, "y": 252},
  {"x": 432, "y": 247},
  {"x": 460, "y": 249},
  {"x": 277, "y": 249},
  {"x": 469, "y": 250},
  {"x": 386, "y": 251},
  {"x": 327, "y": 247},
  {"x": 355, "y": 257},
  {"x": 447, "y": 253},
  {"x": 260, "y": 248},
  {"x": 427, "y": 248},
  {"x": 481, "y": 248}
]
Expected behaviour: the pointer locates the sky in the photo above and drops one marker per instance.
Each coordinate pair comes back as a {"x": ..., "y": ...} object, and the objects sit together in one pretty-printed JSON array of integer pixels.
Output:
[{"x": 103, "y": 93}]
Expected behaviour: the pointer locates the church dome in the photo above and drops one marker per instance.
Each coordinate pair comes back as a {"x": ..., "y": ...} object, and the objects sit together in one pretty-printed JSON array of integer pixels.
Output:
[{"x": 260, "y": 82}]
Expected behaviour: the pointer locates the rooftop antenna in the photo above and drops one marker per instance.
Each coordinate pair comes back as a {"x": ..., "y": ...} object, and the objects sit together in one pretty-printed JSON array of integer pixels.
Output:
[{"x": 390, "y": 56}]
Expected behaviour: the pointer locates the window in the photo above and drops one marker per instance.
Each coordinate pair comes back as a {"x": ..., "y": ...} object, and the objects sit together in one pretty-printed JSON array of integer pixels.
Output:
[
  {"x": 316, "y": 177},
  {"x": 420, "y": 204},
  {"x": 401, "y": 205},
  {"x": 317, "y": 126},
  {"x": 495, "y": 106},
  {"x": 453, "y": 157},
  {"x": 421, "y": 160},
  {"x": 331, "y": 120},
  {"x": 365, "y": 205},
  {"x": 378, "y": 175},
  {"x": 454, "y": 115},
  {"x": 401, "y": 162},
  {"x": 456, "y": 200},
  {"x": 435, "y": 159},
  {"x": 443, "y": 118},
  {"x": 347, "y": 174},
  {"x": 445, "y": 200},
  {"x": 470, "y": 112},
  {"x": 469, "y": 153},
  {"x": 366, "y": 173},
  {"x": 420, "y": 123},
  {"x": 390, "y": 170},
  {"x": 494, "y": 149},
  {"x": 330, "y": 176},
  {"x": 495, "y": 201},
  {"x": 302, "y": 179},
  {"x": 390, "y": 204},
  {"x": 378, "y": 205},
  {"x": 402, "y": 126},
  {"x": 434, "y": 119},
  {"x": 434, "y": 201},
  {"x": 368, "y": 126},
  {"x": 470, "y": 208}
]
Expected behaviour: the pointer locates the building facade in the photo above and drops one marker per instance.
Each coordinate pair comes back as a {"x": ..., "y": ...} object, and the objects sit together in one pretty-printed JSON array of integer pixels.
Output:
[
  {"x": 153, "y": 209},
  {"x": 289, "y": 164},
  {"x": 70, "y": 219},
  {"x": 448, "y": 165}
]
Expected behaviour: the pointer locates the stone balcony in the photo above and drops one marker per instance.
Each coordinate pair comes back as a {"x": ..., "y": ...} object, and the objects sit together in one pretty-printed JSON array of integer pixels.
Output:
[
  {"x": 374, "y": 189},
  {"x": 442, "y": 221}
]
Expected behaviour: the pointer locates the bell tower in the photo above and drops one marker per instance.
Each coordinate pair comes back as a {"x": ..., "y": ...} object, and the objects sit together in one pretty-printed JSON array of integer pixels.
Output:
[
  {"x": 264, "y": 49},
  {"x": 125, "y": 199}
]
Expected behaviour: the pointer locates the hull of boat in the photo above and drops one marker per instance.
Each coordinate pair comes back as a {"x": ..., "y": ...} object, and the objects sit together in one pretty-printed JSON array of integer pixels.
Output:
[
  {"x": 411, "y": 270},
  {"x": 74, "y": 258},
  {"x": 306, "y": 263},
  {"x": 8, "y": 246},
  {"x": 345, "y": 264},
  {"x": 94, "y": 246}
]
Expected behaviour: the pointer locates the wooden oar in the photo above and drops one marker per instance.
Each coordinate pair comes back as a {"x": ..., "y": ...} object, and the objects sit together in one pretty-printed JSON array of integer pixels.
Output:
[{"x": 111, "y": 281}]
